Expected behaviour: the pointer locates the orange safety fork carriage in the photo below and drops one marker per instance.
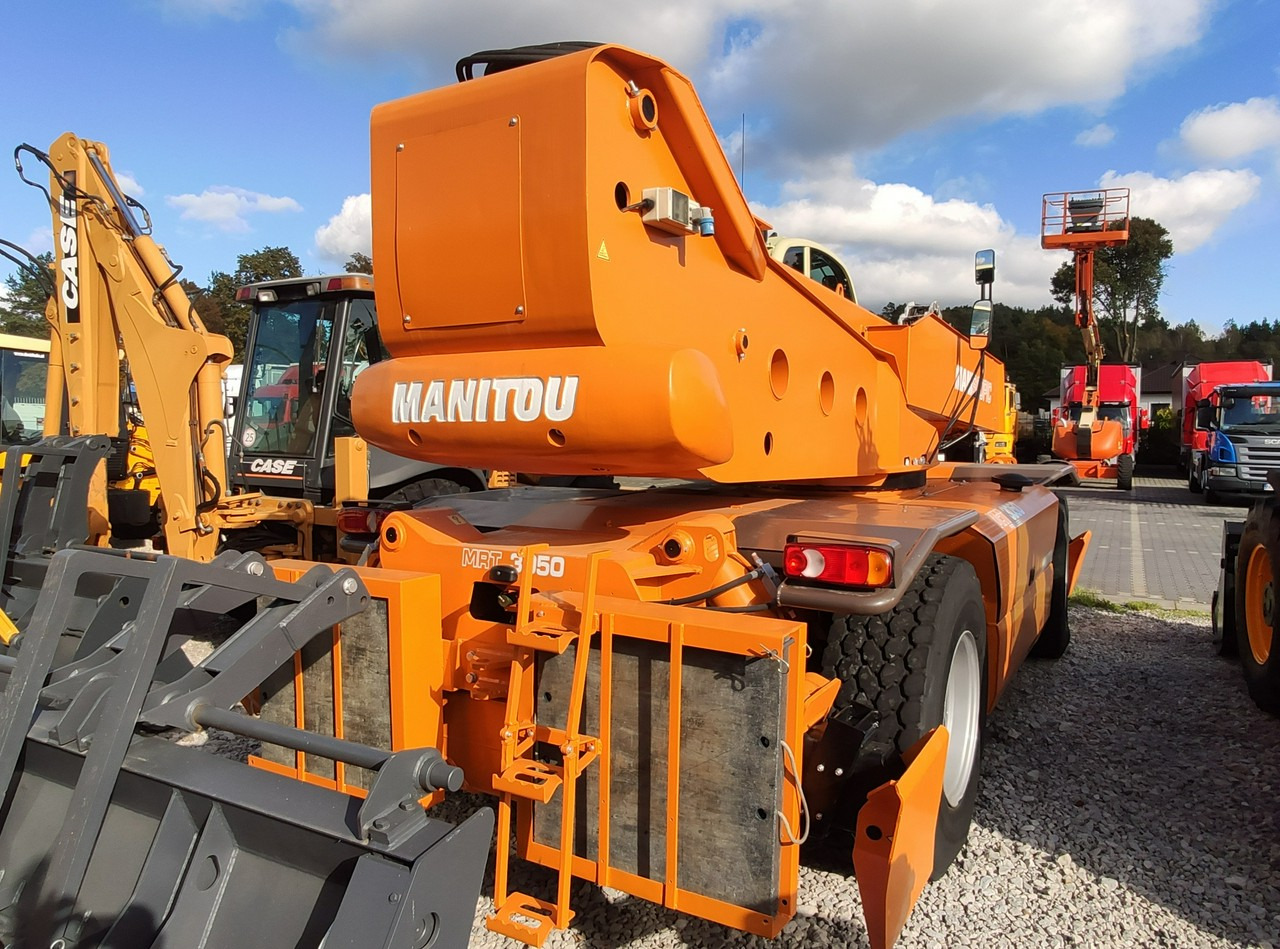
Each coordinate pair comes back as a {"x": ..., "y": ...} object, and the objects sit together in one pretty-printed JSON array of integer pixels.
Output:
[{"x": 666, "y": 690}]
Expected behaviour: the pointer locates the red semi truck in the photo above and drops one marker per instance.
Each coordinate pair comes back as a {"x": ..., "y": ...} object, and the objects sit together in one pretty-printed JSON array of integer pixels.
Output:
[
  {"x": 1101, "y": 447},
  {"x": 1230, "y": 426}
]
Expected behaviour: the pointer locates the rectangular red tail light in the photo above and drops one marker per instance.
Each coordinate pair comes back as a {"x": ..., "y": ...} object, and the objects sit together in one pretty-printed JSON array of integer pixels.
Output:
[
  {"x": 361, "y": 520},
  {"x": 849, "y": 565}
]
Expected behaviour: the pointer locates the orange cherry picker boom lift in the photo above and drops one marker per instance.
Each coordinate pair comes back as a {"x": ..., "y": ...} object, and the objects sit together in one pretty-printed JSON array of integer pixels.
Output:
[
  {"x": 667, "y": 691},
  {"x": 1097, "y": 428}
]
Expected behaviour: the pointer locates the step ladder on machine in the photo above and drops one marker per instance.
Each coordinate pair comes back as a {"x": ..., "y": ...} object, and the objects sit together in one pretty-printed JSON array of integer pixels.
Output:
[{"x": 525, "y": 778}]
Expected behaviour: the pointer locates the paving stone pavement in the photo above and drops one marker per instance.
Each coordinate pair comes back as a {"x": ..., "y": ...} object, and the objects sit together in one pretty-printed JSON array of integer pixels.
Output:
[{"x": 1158, "y": 542}]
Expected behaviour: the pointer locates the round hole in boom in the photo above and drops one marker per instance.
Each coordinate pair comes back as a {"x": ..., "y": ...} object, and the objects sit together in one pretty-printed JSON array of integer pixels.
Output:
[
  {"x": 768, "y": 442},
  {"x": 764, "y": 741},
  {"x": 644, "y": 110},
  {"x": 621, "y": 195},
  {"x": 556, "y": 437},
  {"x": 762, "y": 813},
  {"x": 779, "y": 373},
  {"x": 391, "y": 535},
  {"x": 415, "y": 439},
  {"x": 860, "y": 406},
  {"x": 827, "y": 393}
]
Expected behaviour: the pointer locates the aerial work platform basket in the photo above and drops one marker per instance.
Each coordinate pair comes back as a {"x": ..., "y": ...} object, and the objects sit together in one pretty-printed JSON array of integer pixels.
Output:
[{"x": 1074, "y": 219}]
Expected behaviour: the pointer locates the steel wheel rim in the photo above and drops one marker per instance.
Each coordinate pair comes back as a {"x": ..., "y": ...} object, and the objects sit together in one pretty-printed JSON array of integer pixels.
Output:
[
  {"x": 960, "y": 713},
  {"x": 1259, "y": 603}
]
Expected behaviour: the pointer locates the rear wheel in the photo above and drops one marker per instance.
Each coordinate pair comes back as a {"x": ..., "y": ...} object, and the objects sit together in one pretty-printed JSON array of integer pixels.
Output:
[
  {"x": 1256, "y": 586},
  {"x": 417, "y": 491},
  {"x": 1124, "y": 477},
  {"x": 1193, "y": 482},
  {"x": 1056, "y": 634},
  {"x": 921, "y": 665}
]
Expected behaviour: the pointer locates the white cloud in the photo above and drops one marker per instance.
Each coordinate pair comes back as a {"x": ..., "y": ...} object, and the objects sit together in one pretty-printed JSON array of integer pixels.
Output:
[
  {"x": 873, "y": 71},
  {"x": 1101, "y": 134},
  {"x": 826, "y": 75},
  {"x": 1192, "y": 207},
  {"x": 39, "y": 240},
  {"x": 902, "y": 244},
  {"x": 439, "y": 34},
  {"x": 129, "y": 184},
  {"x": 348, "y": 232},
  {"x": 227, "y": 208},
  {"x": 1226, "y": 133}
]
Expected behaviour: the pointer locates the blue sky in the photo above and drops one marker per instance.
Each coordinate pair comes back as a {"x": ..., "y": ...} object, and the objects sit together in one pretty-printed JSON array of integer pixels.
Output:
[{"x": 908, "y": 134}]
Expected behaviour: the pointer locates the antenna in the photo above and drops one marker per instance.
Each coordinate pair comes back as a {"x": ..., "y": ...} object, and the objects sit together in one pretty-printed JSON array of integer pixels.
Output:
[{"x": 742, "y": 161}]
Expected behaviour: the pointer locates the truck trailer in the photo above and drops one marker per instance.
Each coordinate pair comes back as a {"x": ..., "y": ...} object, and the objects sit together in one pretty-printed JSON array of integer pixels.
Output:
[{"x": 1230, "y": 427}]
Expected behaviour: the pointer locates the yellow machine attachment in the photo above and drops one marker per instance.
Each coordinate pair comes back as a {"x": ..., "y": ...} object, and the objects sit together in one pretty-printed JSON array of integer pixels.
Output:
[
  {"x": 116, "y": 287},
  {"x": 1000, "y": 444}
]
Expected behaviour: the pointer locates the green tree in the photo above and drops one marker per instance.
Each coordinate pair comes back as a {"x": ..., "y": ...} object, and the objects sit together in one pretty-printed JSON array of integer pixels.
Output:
[
  {"x": 207, "y": 308},
  {"x": 24, "y": 299},
  {"x": 1127, "y": 283},
  {"x": 269, "y": 263},
  {"x": 359, "y": 263}
]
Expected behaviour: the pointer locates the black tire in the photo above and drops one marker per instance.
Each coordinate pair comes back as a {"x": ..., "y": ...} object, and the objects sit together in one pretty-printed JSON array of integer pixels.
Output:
[
  {"x": 415, "y": 492},
  {"x": 1193, "y": 482},
  {"x": 1257, "y": 584},
  {"x": 1043, "y": 459},
  {"x": 1056, "y": 634},
  {"x": 1210, "y": 497},
  {"x": 1124, "y": 475},
  {"x": 899, "y": 664}
]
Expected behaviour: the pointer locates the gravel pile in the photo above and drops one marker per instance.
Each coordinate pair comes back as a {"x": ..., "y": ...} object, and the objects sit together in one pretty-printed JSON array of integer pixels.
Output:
[{"x": 1130, "y": 797}]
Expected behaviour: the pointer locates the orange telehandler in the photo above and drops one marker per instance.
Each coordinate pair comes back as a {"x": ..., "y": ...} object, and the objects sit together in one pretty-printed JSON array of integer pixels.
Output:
[{"x": 667, "y": 691}]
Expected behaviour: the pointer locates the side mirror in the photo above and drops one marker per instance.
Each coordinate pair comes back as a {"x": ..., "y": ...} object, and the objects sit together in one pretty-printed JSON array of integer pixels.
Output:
[
  {"x": 980, "y": 325},
  {"x": 1204, "y": 414},
  {"x": 984, "y": 268}
]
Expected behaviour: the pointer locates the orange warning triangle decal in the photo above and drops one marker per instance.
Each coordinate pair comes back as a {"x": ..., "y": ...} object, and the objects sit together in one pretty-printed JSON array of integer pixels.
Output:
[{"x": 603, "y": 253}]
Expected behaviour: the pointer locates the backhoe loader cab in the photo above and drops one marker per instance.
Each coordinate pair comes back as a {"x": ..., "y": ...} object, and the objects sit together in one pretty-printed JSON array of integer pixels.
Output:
[
  {"x": 24, "y": 366},
  {"x": 292, "y": 407}
]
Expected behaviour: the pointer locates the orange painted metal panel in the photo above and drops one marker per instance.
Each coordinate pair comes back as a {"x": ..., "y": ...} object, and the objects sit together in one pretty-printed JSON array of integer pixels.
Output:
[
  {"x": 736, "y": 368},
  {"x": 893, "y": 850}
]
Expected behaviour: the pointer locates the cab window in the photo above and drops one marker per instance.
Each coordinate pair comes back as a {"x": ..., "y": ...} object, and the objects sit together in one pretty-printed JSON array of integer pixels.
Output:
[{"x": 827, "y": 271}]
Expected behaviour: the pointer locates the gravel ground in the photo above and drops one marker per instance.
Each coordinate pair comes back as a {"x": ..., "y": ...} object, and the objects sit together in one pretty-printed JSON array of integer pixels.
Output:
[{"x": 1130, "y": 797}]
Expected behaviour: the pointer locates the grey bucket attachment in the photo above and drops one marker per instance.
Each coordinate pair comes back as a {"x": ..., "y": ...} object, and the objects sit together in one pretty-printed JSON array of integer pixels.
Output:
[
  {"x": 44, "y": 507},
  {"x": 110, "y": 837}
]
